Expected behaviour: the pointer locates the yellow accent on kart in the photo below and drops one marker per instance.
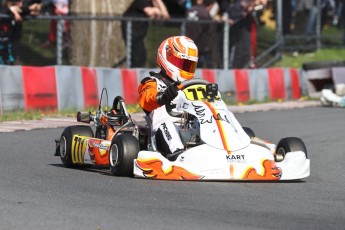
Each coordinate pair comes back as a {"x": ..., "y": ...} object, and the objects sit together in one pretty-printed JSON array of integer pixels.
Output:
[
  {"x": 79, "y": 144},
  {"x": 197, "y": 93}
]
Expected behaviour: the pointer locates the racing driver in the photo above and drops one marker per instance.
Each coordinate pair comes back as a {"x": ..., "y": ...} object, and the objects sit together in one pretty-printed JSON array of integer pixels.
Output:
[{"x": 177, "y": 58}]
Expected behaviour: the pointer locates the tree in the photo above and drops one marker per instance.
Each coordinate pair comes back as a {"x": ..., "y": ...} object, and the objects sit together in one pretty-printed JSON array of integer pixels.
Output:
[{"x": 95, "y": 42}]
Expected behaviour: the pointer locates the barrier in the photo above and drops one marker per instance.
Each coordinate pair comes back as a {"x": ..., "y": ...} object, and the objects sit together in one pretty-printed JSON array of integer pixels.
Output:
[
  {"x": 242, "y": 85},
  {"x": 74, "y": 87},
  {"x": 39, "y": 87},
  {"x": 323, "y": 75},
  {"x": 11, "y": 88},
  {"x": 90, "y": 87},
  {"x": 276, "y": 83}
]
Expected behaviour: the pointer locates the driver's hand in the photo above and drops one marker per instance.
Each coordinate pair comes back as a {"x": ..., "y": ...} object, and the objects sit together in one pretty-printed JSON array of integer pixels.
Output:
[{"x": 168, "y": 95}]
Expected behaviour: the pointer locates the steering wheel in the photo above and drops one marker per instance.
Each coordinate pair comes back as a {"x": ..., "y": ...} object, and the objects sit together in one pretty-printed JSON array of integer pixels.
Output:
[
  {"x": 169, "y": 106},
  {"x": 191, "y": 82}
]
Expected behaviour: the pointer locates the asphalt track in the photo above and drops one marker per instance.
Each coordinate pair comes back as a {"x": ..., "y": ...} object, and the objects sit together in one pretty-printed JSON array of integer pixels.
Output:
[{"x": 37, "y": 192}]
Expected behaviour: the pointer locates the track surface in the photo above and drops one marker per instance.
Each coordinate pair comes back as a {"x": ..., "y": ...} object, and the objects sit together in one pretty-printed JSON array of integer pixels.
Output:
[{"x": 37, "y": 192}]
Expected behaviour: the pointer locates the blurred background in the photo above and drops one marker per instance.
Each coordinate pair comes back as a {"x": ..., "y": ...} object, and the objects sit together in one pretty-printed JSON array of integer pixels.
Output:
[{"x": 233, "y": 34}]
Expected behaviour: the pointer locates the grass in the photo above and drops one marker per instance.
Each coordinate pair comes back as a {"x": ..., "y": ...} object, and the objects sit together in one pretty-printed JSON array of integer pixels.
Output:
[
  {"x": 40, "y": 114},
  {"x": 34, "y": 115},
  {"x": 290, "y": 60}
]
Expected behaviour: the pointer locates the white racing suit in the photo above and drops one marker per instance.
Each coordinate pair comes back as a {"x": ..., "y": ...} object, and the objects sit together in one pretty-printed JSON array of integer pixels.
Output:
[{"x": 162, "y": 124}]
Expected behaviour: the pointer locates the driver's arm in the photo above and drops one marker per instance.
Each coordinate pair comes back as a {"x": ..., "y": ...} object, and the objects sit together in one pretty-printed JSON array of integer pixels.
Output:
[{"x": 147, "y": 95}]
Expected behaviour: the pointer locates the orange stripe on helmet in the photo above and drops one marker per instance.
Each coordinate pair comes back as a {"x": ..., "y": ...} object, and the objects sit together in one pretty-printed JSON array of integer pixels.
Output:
[{"x": 179, "y": 45}]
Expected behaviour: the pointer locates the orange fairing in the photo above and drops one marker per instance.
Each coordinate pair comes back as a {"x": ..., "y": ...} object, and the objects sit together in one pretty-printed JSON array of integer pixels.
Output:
[
  {"x": 110, "y": 129},
  {"x": 152, "y": 168},
  {"x": 98, "y": 152},
  {"x": 111, "y": 133},
  {"x": 270, "y": 172}
]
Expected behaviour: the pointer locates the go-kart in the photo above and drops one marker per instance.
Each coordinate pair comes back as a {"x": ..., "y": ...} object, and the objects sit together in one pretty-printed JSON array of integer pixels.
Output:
[
  {"x": 79, "y": 146},
  {"x": 217, "y": 147}
]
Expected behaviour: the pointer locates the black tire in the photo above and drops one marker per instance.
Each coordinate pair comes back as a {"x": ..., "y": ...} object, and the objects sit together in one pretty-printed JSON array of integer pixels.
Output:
[
  {"x": 123, "y": 150},
  {"x": 249, "y": 132},
  {"x": 322, "y": 64},
  {"x": 289, "y": 144},
  {"x": 66, "y": 142}
]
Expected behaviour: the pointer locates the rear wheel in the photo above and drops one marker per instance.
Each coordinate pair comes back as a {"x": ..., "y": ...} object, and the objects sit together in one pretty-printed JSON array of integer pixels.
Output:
[
  {"x": 66, "y": 142},
  {"x": 123, "y": 150},
  {"x": 289, "y": 144}
]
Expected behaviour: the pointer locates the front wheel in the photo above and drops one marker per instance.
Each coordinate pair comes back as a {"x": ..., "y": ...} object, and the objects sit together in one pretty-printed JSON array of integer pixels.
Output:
[
  {"x": 289, "y": 144},
  {"x": 123, "y": 150},
  {"x": 66, "y": 142}
]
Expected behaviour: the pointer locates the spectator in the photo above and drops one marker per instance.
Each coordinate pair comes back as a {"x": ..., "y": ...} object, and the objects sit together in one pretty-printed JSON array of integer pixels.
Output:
[
  {"x": 288, "y": 11},
  {"x": 153, "y": 9},
  {"x": 243, "y": 21},
  {"x": 202, "y": 33},
  {"x": 328, "y": 8},
  {"x": 164, "y": 14},
  {"x": 338, "y": 11},
  {"x": 10, "y": 28},
  {"x": 7, "y": 31},
  {"x": 306, "y": 17},
  {"x": 343, "y": 19},
  {"x": 223, "y": 6},
  {"x": 59, "y": 7},
  {"x": 307, "y": 11},
  {"x": 177, "y": 8}
]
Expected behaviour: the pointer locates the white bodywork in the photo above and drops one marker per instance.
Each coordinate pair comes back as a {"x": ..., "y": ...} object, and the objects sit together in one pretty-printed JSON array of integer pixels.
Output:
[{"x": 227, "y": 152}]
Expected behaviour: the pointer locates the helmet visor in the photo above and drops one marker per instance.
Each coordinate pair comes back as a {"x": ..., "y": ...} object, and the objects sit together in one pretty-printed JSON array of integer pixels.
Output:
[{"x": 183, "y": 64}]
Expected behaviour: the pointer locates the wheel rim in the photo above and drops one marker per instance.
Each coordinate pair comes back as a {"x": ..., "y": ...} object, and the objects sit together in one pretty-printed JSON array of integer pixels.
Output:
[
  {"x": 280, "y": 154},
  {"x": 63, "y": 147},
  {"x": 114, "y": 155}
]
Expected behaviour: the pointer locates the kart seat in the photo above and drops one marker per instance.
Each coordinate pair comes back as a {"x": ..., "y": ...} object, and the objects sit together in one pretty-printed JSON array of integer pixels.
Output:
[
  {"x": 189, "y": 137},
  {"x": 116, "y": 119}
]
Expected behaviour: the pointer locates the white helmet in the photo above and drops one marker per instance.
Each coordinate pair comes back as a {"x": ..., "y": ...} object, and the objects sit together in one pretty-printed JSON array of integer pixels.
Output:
[{"x": 178, "y": 57}]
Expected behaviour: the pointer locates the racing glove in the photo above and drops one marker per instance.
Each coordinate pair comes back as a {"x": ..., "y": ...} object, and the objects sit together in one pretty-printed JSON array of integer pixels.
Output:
[{"x": 168, "y": 95}]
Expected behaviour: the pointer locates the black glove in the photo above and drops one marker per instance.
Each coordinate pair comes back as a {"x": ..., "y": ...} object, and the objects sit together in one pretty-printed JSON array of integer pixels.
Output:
[{"x": 168, "y": 95}]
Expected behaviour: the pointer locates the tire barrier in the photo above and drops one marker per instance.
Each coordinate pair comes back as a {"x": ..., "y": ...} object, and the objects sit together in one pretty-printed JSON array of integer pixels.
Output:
[
  {"x": 73, "y": 87},
  {"x": 323, "y": 75}
]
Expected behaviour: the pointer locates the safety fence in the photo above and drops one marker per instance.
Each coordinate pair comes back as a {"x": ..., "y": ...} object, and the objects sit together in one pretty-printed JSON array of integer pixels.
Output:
[
  {"x": 74, "y": 87},
  {"x": 101, "y": 47}
]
